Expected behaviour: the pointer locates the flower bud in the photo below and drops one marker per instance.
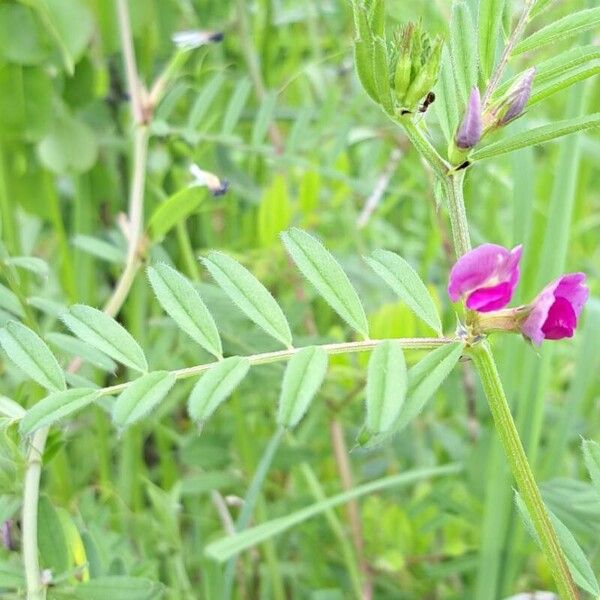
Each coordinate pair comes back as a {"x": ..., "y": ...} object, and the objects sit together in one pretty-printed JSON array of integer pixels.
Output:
[
  {"x": 403, "y": 60},
  {"x": 469, "y": 131},
  {"x": 511, "y": 106},
  {"x": 426, "y": 75},
  {"x": 471, "y": 127},
  {"x": 415, "y": 63}
]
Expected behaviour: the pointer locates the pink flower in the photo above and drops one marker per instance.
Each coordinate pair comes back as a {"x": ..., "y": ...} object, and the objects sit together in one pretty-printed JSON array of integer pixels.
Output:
[
  {"x": 486, "y": 276},
  {"x": 555, "y": 311}
]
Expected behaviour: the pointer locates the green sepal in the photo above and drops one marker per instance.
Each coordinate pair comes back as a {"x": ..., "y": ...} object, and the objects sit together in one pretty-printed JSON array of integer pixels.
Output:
[
  {"x": 426, "y": 77},
  {"x": 377, "y": 17},
  {"x": 381, "y": 75}
]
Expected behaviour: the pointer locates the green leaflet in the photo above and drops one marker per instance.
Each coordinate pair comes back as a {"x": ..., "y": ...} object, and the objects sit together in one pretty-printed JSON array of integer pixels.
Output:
[
  {"x": 446, "y": 105},
  {"x": 118, "y": 587},
  {"x": 227, "y": 547},
  {"x": 11, "y": 409},
  {"x": 489, "y": 26},
  {"x": 304, "y": 375},
  {"x": 581, "y": 570},
  {"x": 250, "y": 296},
  {"x": 216, "y": 385},
  {"x": 568, "y": 26},
  {"x": 183, "y": 304},
  {"x": 28, "y": 351},
  {"x": 75, "y": 347},
  {"x": 141, "y": 396},
  {"x": 563, "y": 81},
  {"x": 539, "y": 135},
  {"x": 324, "y": 272},
  {"x": 424, "y": 379},
  {"x": 55, "y": 407},
  {"x": 104, "y": 333},
  {"x": 554, "y": 67},
  {"x": 32, "y": 264},
  {"x": 407, "y": 284},
  {"x": 386, "y": 386},
  {"x": 175, "y": 209},
  {"x": 464, "y": 50},
  {"x": 99, "y": 248},
  {"x": 52, "y": 543},
  {"x": 591, "y": 456}
]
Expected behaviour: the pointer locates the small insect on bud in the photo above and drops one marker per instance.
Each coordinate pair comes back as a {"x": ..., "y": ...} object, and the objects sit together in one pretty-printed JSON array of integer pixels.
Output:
[
  {"x": 188, "y": 40},
  {"x": 216, "y": 186}
]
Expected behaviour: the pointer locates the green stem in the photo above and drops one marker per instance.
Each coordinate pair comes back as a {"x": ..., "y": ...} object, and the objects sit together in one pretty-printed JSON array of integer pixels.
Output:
[
  {"x": 33, "y": 469},
  {"x": 515, "y": 454},
  {"x": 453, "y": 183},
  {"x": 424, "y": 146},
  {"x": 35, "y": 589},
  {"x": 251, "y": 499},
  {"x": 492, "y": 385},
  {"x": 282, "y": 355}
]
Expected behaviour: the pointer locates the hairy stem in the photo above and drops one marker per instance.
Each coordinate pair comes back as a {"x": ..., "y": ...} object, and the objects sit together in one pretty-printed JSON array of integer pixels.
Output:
[
  {"x": 456, "y": 210},
  {"x": 282, "y": 355},
  {"x": 424, "y": 146},
  {"x": 33, "y": 469},
  {"x": 503, "y": 420},
  {"x": 515, "y": 454}
]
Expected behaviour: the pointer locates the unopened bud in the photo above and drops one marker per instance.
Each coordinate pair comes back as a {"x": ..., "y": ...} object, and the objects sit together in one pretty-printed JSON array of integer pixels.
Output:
[
  {"x": 426, "y": 75},
  {"x": 471, "y": 127},
  {"x": 517, "y": 97}
]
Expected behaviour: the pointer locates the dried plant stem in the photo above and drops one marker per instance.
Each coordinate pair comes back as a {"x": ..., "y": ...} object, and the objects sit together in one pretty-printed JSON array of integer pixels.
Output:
[
  {"x": 340, "y": 452},
  {"x": 33, "y": 469}
]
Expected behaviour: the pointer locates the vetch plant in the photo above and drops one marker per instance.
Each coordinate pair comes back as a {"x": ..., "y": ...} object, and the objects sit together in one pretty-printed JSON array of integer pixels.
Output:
[{"x": 399, "y": 73}]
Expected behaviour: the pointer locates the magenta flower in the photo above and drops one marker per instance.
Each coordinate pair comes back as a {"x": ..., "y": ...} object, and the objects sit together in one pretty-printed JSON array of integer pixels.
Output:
[
  {"x": 486, "y": 276},
  {"x": 555, "y": 311}
]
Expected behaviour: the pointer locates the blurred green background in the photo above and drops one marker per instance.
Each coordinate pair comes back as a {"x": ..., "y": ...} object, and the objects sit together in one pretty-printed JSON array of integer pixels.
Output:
[{"x": 276, "y": 110}]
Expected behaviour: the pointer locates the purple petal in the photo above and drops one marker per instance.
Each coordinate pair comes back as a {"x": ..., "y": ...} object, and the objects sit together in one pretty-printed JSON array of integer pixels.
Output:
[
  {"x": 556, "y": 309},
  {"x": 560, "y": 321},
  {"x": 484, "y": 267},
  {"x": 572, "y": 287},
  {"x": 491, "y": 298},
  {"x": 471, "y": 127}
]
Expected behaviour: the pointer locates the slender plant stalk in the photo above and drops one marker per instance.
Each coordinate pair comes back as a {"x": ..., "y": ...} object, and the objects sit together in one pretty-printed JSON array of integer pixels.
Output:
[
  {"x": 282, "y": 355},
  {"x": 515, "y": 454},
  {"x": 340, "y": 452},
  {"x": 33, "y": 469},
  {"x": 505, "y": 425},
  {"x": 424, "y": 147},
  {"x": 456, "y": 210},
  {"x": 250, "y": 500}
]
